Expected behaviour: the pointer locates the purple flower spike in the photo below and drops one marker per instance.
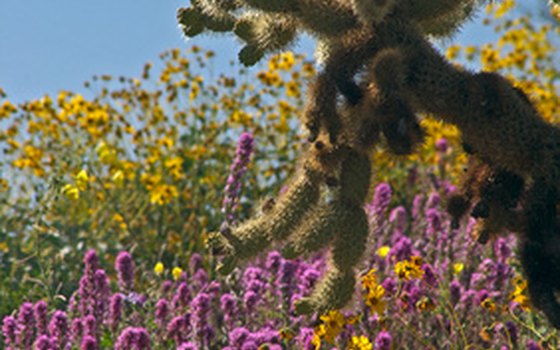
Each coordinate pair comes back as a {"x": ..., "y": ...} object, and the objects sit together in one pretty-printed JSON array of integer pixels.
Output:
[
  {"x": 125, "y": 271},
  {"x": 115, "y": 310},
  {"x": 383, "y": 341},
  {"x": 41, "y": 317},
  {"x": 58, "y": 328},
  {"x": 162, "y": 312},
  {"x": 195, "y": 263},
  {"x": 379, "y": 204},
  {"x": 89, "y": 343},
  {"x": 9, "y": 326},
  {"x": 26, "y": 326},
  {"x": 133, "y": 338},
  {"x": 232, "y": 190},
  {"x": 91, "y": 260},
  {"x": 44, "y": 342},
  {"x": 178, "y": 328},
  {"x": 90, "y": 326}
]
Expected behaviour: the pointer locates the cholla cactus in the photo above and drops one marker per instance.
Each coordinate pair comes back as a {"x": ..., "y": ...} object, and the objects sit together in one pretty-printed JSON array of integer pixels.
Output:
[{"x": 513, "y": 180}]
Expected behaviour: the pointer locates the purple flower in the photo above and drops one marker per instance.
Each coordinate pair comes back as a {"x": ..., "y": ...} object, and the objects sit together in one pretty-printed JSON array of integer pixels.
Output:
[
  {"x": 44, "y": 342},
  {"x": 91, "y": 262},
  {"x": 200, "y": 307},
  {"x": 101, "y": 294},
  {"x": 26, "y": 326},
  {"x": 442, "y": 145},
  {"x": 162, "y": 312},
  {"x": 195, "y": 263},
  {"x": 41, "y": 310},
  {"x": 379, "y": 204},
  {"x": 305, "y": 339},
  {"x": 188, "y": 346},
  {"x": 200, "y": 278},
  {"x": 455, "y": 291},
  {"x": 166, "y": 287},
  {"x": 9, "y": 327},
  {"x": 398, "y": 218},
  {"x": 77, "y": 330},
  {"x": 88, "y": 343},
  {"x": 238, "y": 336},
  {"x": 512, "y": 333},
  {"x": 433, "y": 201},
  {"x": 232, "y": 190},
  {"x": 228, "y": 304},
  {"x": 273, "y": 261},
  {"x": 133, "y": 338},
  {"x": 383, "y": 341},
  {"x": 250, "y": 300},
  {"x": 307, "y": 280},
  {"x": 250, "y": 345},
  {"x": 90, "y": 325},
  {"x": 417, "y": 204},
  {"x": 58, "y": 328},
  {"x": 434, "y": 224},
  {"x": 125, "y": 271},
  {"x": 429, "y": 275},
  {"x": 178, "y": 328},
  {"x": 181, "y": 298},
  {"x": 115, "y": 310}
]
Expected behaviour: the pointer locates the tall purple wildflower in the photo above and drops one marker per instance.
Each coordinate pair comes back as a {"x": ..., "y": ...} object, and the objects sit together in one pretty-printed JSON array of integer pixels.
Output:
[
  {"x": 76, "y": 330},
  {"x": 178, "y": 328},
  {"x": 26, "y": 326},
  {"x": 58, "y": 328},
  {"x": 237, "y": 170},
  {"x": 102, "y": 293},
  {"x": 125, "y": 271},
  {"x": 379, "y": 204},
  {"x": 200, "y": 307},
  {"x": 41, "y": 317},
  {"x": 87, "y": 283},
  {"x": 88, "y": 343},
  {"x": 44, "y": 342},
  {"x": 228, "y": 304},
  {"x": 136, "y": 338},
  {"x": 162, "y": 313},
  {"x": 9, "y": 327},
  {"x": 115, "y": 310}
]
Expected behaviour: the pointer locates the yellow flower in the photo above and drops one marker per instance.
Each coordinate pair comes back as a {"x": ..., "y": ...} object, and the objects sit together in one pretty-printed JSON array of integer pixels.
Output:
[
  {"x": 488, "y": 304},
  {"x": 158, "y": 269},
  {"x": 408, "y": 270},
  {"x": 369, "y": 280},
  {"x": 458, "y": 268},
  {"x": 383, "y": 251},
  {"x": 332, "y": 325},
  {"x": 176, "y": 272},
  {"x": 82, "y": 180},
  {"x": 118, "y": 178},
  {"x": 71, "y": 192},
  {"x": 360, "y": 343},
  {"x": 375, "y": 301},
  {"x": 163, "y": 194}
]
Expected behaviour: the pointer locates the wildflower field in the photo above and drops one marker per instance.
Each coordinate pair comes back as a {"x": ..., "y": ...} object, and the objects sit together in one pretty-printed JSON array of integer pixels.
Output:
[{"x": 109, "y": 196}]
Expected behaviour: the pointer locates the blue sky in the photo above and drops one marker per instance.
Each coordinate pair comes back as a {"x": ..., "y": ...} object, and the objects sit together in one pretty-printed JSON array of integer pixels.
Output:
[{"x": 50, "y": 45}]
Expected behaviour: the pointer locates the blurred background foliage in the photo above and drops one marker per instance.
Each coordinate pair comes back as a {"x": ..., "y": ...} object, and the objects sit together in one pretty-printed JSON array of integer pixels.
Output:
[{"x": 141, "y": 164}]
